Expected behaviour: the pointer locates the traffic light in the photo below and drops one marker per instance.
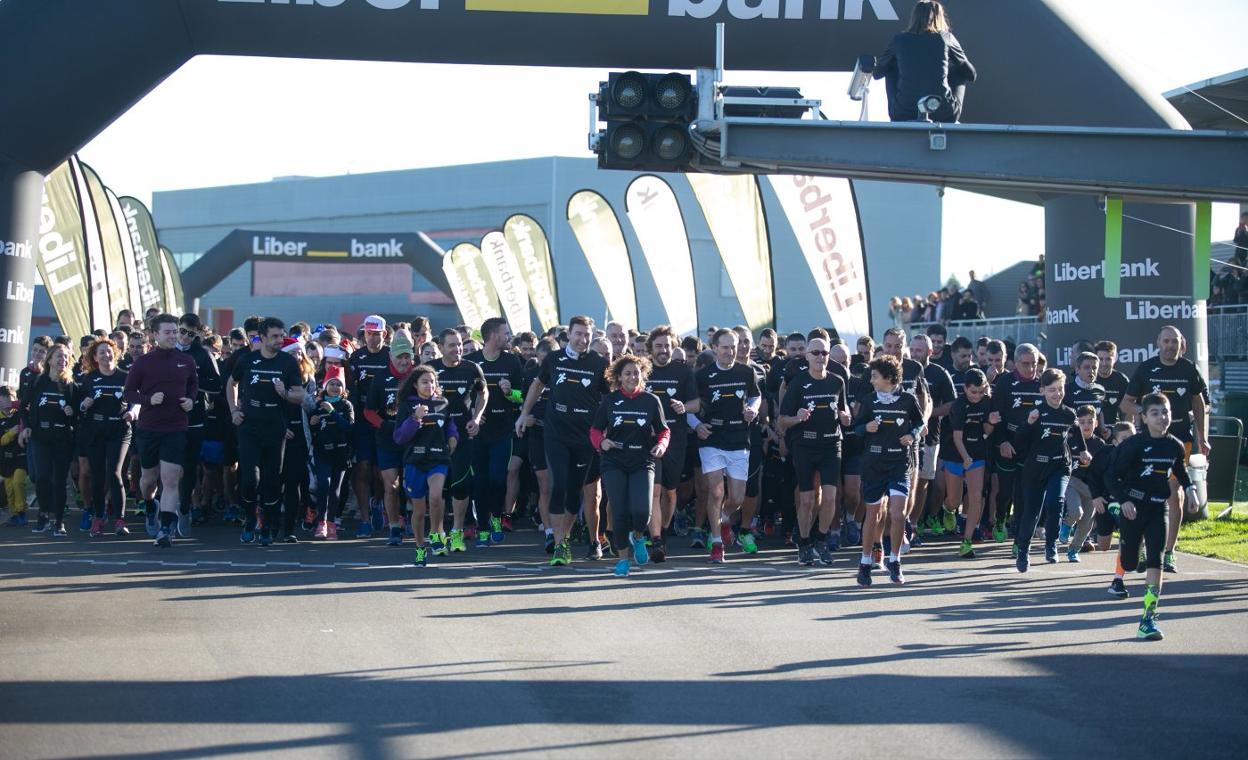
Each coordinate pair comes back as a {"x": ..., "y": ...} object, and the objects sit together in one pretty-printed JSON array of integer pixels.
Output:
[{"x": 648, "y": 118}]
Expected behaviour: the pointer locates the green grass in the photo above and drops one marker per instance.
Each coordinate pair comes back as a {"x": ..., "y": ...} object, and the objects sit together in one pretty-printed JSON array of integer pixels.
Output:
[{"x": 1224, "y": 539}]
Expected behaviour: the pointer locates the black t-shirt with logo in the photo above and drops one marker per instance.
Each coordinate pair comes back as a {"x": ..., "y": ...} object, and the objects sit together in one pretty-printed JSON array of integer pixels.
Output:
[
  {"x": 1093, "y": 396},
  {"x": 883, "y": 453},
  {"x": 970, "y": 419},
  {"x": 723, "y": 394},
  {"x": 461, "y": 385},
  {"x": 262, "y": 408},
  {"x": 1050, "y": 441},
  {"x": 673, "y": 381},
  {"x": 430, "y": 446},
  {"x": 531, "y": 371},
  {"x": 1115, "y": 385},
  {"x": 383, "y": 400},
  {"x": 856, "y": 391},
  {"x": 635, "y": 423},
  {"x": 943, "y": 392},
  {"x": 1014, "y": 398},
  {"x": 105, "y": 392},
  {"x": 362, "y": 367},
  {"x": 825, "y": 398},
  {"x": 576, "y": 388},
  {"x": 1179, "y": 382},
  {"x": 1093, "y": 445},
  {"x": 1141, "y": 468},
  {"x": 500, "y": 412}
]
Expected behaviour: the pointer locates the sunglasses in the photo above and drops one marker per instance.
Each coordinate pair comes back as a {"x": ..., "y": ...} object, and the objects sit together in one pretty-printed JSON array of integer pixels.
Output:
[
  {"x": 184, "y": 331},
  {"x": 816, "y": 353}
]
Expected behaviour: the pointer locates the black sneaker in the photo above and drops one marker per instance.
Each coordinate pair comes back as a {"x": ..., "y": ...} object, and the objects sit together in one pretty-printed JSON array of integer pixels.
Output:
[
  {"x": 550, "y": 543},
  {"x": 164, "y": 537},
  {"x": 1118, "y": 588},
  {"x": 291, "y": 538},
  {"x": 595, "y": 551},
  {"x": 894, "y": 571},
  {"x": 806, "y": 555},
  {"x": 864, "y": 575},
  {"x": 658, "y": 552}
]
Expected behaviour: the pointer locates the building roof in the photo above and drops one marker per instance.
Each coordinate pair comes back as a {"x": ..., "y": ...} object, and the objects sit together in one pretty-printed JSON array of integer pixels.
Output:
[{"x": 1206, "y": 104}]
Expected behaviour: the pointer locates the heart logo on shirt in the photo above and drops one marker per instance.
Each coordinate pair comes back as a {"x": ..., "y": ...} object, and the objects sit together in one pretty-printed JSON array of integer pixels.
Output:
[
  {"x": 671, "y": 391},
  {"x": 585, "y": 382},
  {"x": 740, "y": 394},
  {"x": 1180, "y": 391},
  {"x": 462, "y": 391},
  {"x": 440, "y": 423}
]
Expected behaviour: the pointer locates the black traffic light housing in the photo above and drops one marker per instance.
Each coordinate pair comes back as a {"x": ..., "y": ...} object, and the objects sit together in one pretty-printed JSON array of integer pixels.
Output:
[{"x": 648, "y": 118}]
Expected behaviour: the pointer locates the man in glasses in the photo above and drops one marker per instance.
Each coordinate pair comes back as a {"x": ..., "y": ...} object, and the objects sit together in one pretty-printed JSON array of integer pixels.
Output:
[{"x": 190, "y": 330}]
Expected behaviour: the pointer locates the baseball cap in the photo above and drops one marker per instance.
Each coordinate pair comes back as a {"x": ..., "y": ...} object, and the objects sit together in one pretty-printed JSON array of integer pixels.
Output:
[
  {"x": 401, "y": 345},
  {"x": 374, "y": 323}
]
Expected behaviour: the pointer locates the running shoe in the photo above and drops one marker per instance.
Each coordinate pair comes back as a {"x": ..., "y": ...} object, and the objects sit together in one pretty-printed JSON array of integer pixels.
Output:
[
  {"x": 97, "y": 527},
  {"x": 951, "y": 521},
  {"x": 1072, "y": 555},
  {"x": 457, "y": 541},
  {"x": 396, "y": 536},
  {"x": 84, "y": 523},
  {"x": 925, "y": 525},
  {"x": 1088, "y": 546},
  {"x": 640, "y": 553},
  {"x": 658, "y": 552},
  {"x": 877, "y": 557},
  {"x": 59, "y": 531},
  {"x": 164, "y": 537},
  {"x": 621, "y": 569},
  {"x": 853, "y": 534},
  {"x": 717, "y": 553},
  {"x": 550, "y": 543},
  {"x": 806, "y": 555},
  {"x": 894, "y": 572},
  {"x": 266, "y": 538},
  {"x": 232, "y": 514},
  {"x": 864, "y": 575},
  {"x": 999, "y": 533},
  {"x": 184, "y": 524},
  {"x": 726, "y": 534},
  {"x": 1167, "y": 563},
  {"x": 17, "y": 520},
  {"x": 697, "y": 538},
  {"x": 1063, "y": 534},
  {"x": 748, "y": 543},
  {"x": 322, "y": 530},
  {"x": 152, "y": 522},
  {"x": 562, "y": 556},
  {"x": 377, "y": 514},
  {"x": 505, "y": 523},
  {"x": 496, "y": 530},
  {"x": 437, "y": 544},
  {"x": 331, "y": 531},
  {"x": 365, "y": 529},
  {"x": 966, "y": 550},
  {"x": 1148, "y": 630},
  {"x": 422, "y": 557},
  {"x": 291, "y": 538},
  {"x": 248, "y": 535},
  {"x": 594, "y": 552},
  {"x": 824, "y": 553},
  {"x": 833, "y": 543},
  {"x": 470, "y": 532},
  {"x": 1022, "y": 563},
  {"x": 1118, "y": 588},
  {"x": 680, "y": 524},
  {"x": 1050, "y": 554}
]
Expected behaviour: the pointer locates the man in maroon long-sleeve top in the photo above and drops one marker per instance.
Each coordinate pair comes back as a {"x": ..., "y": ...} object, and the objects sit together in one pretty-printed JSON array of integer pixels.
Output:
[{"x": 164, "y": 381}]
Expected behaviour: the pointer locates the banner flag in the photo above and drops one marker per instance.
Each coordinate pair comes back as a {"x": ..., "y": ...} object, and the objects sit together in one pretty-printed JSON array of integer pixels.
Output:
[
  {"x": 97, "y": 276},
  {"x": 597, "y": 229},
  {"x": 146, "y": 254},
  {"x": 175, "y": 301},
  {"x": 531, "y": 248},
  {"x": 127, "y": 248},
  {"x": 656, "y": 218},
  {"x": 734, "y": 213},
  {"x": 62, "y": 262},
  {"x": 470, "y": 284},
  {"x": 824, "y": 217},
  {"x": 508, "y": 281},
  {"x": 117, "y": 287}
]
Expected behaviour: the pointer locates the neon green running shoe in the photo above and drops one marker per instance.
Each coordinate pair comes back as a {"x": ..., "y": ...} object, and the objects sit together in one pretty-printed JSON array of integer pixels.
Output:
[
  {"x": 422, "y": 557},
  {"x": 457, "y": 541},
  {"x": 999, "y": 533},
  {"x": 965, "y": 550},
  {"x": 1148, "y": 630},
  {"x": 748, "y": 544},
  {"x": 562, "y": 556},
  {"x": 951, "y": 521}
]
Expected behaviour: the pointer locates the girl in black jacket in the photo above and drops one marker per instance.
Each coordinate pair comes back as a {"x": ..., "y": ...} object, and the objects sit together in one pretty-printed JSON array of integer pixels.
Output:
[
  {"x": 331, "y": 422},
  {"x": 50, "y": 424}
]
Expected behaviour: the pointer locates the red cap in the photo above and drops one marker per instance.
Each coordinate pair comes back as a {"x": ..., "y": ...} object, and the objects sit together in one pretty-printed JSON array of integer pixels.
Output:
[
  {"x": 289, "y": 344},
  {"x": 332, "y": 372}
]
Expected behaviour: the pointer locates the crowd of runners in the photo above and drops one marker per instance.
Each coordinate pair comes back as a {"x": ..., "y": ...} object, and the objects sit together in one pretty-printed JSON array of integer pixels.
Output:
[{"x": 609, "y": 439}]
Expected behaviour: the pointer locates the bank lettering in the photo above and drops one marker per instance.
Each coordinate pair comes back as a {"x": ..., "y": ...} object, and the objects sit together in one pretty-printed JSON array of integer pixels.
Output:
[{"x": 1067, "y": 272}]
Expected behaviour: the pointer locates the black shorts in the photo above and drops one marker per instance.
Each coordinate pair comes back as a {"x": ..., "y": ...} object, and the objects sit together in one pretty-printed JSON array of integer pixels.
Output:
[
  {"x": 535, "y": 438},
  {"x": 156, "y": 447},
  {"x": 825, "y": 460},
  {"x": 459, "y": 484},
  {"x": 1105, "y": 523},
  {"x": 670, "y": 470},
  {"x": 754, "y": 472},
  {"x": 82, "y": 442}
]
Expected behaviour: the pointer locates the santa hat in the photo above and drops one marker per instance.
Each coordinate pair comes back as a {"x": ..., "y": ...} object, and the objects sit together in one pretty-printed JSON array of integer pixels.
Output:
[
  {"x": 290, "y": 345},
  {"x": 332, "y": 372}
]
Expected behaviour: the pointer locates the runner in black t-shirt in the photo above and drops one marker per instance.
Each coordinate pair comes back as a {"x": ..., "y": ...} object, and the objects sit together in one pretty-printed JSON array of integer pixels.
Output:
[
  {"x": 261, "y": 386},
  {"x": 914, "y": 382},
  {"x": 362, "y": 366},
  {"x": 575, "y": 379},
  {"x": 943, "y": 394},
  {"x": 535, "y": 438},
  {"x": 970, "y": 430},
  {"x": 107, "y": 420},
  {"x": 1112, "y": 380},
  {"x": 673, "y": 382},
  {"x": 856, "y": 388},
  {"x": 1014, "y": 395},
  {"x": 1082, "y": 389},
  {"x": 381, "y": 413},
  {"x": 491, "y": 440},
  {"x": 1178, "y": 379},
  {"x": 753, "y": 484},
  {"x": 463, "y": 385}
]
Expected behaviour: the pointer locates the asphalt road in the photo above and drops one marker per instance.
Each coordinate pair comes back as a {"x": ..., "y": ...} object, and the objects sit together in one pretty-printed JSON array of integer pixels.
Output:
[{"x": 114, "y": 648}]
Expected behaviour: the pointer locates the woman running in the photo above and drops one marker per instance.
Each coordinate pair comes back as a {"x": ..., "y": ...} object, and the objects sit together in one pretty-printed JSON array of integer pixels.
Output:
[
  {"x": 106, "y": 422},
  {"x": 971, "y": 429},
  {"x": 428, "y": 436},
  {"x": 50, "y": 424}
]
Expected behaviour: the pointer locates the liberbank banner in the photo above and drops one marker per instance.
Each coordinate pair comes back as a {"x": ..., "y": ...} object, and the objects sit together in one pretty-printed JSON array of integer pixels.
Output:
[
  {"x": 660, "y": 228},
  {"x": 62, "y": 261},
  {"x": 471, "y": 285},
  {"x": 597, "y": 229}
]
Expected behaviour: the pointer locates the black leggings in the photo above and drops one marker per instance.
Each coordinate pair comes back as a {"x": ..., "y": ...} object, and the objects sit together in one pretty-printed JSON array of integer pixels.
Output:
[
  {"x": 54, "y": 458},
  {"x": 107, "y": 456},
  {"x": 1009, "y": 489},
  {"x": 1149, "y": 526},
  {"x": 630, "y": 495},
  {"x": 190, "y": 467},
  {"x": 569, "y": 468},
  {"x": 260, "y": 473},
  {"x": 331, "y": 471},
  {"x": 489, "y": 476},
  {"x": 295, "y": 477}
]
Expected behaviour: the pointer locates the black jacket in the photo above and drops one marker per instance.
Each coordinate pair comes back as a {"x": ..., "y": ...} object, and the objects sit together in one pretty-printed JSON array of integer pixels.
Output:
[{"x": 917, "y": 65}]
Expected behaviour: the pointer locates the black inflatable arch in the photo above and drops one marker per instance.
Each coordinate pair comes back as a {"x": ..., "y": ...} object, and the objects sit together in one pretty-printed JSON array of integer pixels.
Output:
[{"x": 68, "y": 68}]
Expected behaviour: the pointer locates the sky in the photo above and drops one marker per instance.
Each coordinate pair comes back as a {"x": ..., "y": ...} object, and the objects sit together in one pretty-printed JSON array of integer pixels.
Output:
[{"x": 224, "y": 120}]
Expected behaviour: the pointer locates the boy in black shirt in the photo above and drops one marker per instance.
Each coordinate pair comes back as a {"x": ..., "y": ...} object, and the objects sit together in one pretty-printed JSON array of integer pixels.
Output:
[
  {"x": 1139, "y": 480},
  {"x": 1079, "y": 508},
  {"x": 890, "y": 421}
]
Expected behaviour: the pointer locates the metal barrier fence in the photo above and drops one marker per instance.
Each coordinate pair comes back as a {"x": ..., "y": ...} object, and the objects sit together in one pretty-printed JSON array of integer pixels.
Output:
[
  {"x": 1015, "y": 329},
  {"x": 1228, "y": 333}
]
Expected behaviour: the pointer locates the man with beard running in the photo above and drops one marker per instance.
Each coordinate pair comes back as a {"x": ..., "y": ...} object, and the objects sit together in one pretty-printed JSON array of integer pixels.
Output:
[
  {"x": 674, "y": 384},
  {"x": 463, "y": 385},
  {"x": 492, "y": 435},
  {"x": 914, "y": 382}
]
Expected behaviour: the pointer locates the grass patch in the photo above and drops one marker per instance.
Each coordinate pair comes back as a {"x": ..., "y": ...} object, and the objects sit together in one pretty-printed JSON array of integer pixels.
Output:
[{"x": 1224, "y": 539}]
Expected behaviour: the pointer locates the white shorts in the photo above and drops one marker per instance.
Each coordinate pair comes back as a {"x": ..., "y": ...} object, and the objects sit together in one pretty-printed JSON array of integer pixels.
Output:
[
  {"x": 737, "y": 463},
  {"x": 928, "y": 461}
]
